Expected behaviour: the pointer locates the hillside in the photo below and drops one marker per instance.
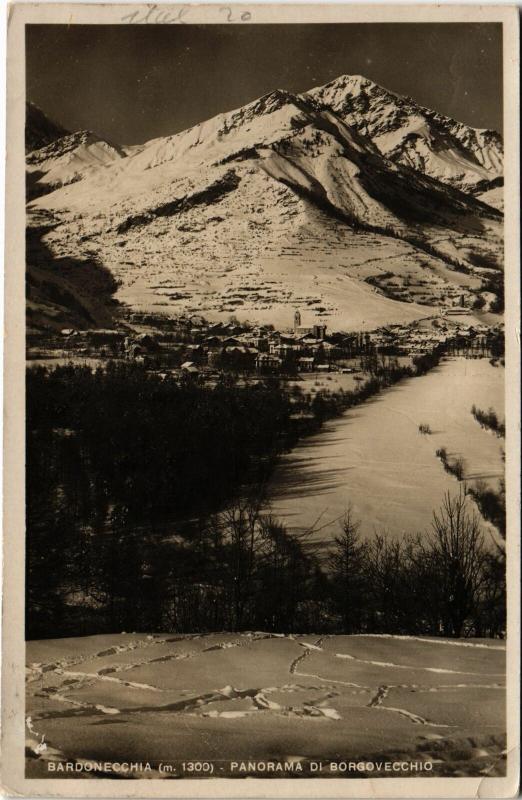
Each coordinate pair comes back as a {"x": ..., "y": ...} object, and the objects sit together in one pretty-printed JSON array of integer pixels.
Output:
[
  {"x": 67, "y": 160},
  {"x": 277, "y": 204},
  {"x": 493, "y": 197},
  {"x": 65, "y": 291}
]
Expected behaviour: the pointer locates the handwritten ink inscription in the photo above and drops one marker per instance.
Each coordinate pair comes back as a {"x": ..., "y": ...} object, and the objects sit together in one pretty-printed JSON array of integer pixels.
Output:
[
  {"x": 233, "y": 16},
  {"x": 155, "y": 15}
]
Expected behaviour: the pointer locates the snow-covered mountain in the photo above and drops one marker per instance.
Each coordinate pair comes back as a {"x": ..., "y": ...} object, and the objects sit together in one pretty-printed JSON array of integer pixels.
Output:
[
  {"x": 280, "y": 203},
  {"x": 417, "y": 137},
  {"x": 68, "y": 159}
]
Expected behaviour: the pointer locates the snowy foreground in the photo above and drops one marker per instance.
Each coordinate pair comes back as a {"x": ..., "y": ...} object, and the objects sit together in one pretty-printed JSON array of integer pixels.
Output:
[{"x": 229, "y": 699}]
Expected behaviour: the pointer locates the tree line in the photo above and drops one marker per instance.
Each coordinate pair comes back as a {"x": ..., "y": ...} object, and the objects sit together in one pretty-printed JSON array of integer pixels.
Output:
[
  {"x": 240, "y": 569},
  {"x": 145, "y": 510}
]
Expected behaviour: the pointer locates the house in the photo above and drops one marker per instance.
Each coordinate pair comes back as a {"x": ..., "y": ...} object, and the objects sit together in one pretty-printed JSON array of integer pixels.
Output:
[
  {"x": 213, "y": 341},
  {"x": 214, "y": 358},
  {"x": 189, "y": 367},
  {"x": 328, "y": 347},
  {"x": 255, "y": 340},
  {"x": 305, "y": 364},
  {"x": 267, "y": 363},
  {"x": 233, "y": 329},
  {"x": 284, "y": 350},
  {"x": 148, "y": 342}
]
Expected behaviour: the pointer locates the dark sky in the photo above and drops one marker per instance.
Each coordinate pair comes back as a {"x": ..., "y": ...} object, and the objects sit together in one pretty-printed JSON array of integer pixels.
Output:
[{"x": 130, "y": 83}]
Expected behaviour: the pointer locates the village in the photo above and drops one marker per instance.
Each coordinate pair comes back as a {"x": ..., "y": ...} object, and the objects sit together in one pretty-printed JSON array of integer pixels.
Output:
[{"x": 191, "y": 345}]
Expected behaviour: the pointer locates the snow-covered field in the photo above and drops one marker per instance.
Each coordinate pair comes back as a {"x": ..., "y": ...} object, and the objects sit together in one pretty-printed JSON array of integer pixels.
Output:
[
  {"x": 229, "y": 697},
  {"x": 375, "y": 458}
]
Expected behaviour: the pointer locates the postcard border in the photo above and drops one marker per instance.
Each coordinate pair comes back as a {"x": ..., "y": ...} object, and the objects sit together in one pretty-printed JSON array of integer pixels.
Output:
[{"x": 13, "y": 689}]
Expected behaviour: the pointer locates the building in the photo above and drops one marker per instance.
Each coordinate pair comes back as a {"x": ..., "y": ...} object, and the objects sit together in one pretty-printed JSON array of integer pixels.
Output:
[
  {"x": 189, "y": 367},
  {"x": 195, "y": 353},
  {"x": 317, "y": 331},
  {"x": 306, "y": 364},
  {"x": 267, "y": 363}
]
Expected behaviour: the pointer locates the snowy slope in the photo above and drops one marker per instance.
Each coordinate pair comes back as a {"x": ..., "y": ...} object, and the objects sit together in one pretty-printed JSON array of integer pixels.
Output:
[
  {"x": 67, "y": 160},
  {"x": 254, "y": 698},
  {"x": 414, "y": 136},
  {"x": 493, "y": 197}
]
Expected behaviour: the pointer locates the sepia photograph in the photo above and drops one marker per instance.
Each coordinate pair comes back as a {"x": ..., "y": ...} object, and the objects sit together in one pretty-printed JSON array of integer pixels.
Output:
[{"x": 266, "y": 428}]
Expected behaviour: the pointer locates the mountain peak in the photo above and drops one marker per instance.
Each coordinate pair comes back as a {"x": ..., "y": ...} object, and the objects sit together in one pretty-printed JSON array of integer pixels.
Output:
[
  {"x": 278, "y": 94},
  {"x": 351, "y": 84},
  {"x": 278, "y": 100},
  {"x": 345, "y": 80},
  {"x": 70, "y": 143},
  {"x": 67, "y": 160},
  {"x": 412, "y": 135}
]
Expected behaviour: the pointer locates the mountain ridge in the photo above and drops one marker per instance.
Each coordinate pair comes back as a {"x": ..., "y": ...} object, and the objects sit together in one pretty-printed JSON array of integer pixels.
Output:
[
  {"x": 464, "y": 156},
  {"x": 66, "y": 160},
  {"x": 280, "y": 192}
]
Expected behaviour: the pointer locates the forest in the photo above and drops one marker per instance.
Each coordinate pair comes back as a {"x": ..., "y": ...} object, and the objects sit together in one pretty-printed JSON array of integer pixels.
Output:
[{"x": 146, "y": 510}]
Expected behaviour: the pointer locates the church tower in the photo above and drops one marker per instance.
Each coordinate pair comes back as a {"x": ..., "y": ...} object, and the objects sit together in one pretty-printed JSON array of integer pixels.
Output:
[{"x": 297, "y": 320}]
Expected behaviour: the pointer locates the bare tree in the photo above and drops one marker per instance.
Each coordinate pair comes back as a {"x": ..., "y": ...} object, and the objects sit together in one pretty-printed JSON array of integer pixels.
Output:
[
  {"x": 240, "y": 523},
  {"x": 458, "y": 553},
  {"x": 387, "y": 581}
]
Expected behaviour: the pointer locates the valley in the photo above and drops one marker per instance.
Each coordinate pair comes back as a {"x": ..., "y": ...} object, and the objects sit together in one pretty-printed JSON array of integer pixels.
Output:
[
  {"x": 375, "y": 459},
  {"x": 293, "y": 307}
]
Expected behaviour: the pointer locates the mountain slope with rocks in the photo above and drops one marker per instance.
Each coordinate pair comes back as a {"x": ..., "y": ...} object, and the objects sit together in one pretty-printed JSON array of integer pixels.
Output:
[
  {"x": 416, "y": 137},
  {"x": 64, "y": 291},
  {"x": 278, "y": 204}
]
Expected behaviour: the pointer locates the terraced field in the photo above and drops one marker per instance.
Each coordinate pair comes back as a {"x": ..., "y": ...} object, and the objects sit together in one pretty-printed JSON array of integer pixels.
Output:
[{"x": 258, "y": 697}]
